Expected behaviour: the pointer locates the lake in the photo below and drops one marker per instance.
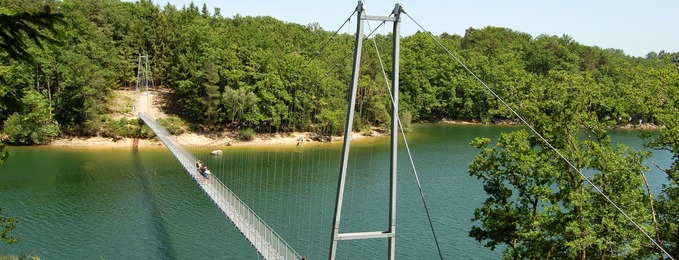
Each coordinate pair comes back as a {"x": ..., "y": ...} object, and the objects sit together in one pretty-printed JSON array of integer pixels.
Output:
[{"x": 122, "y": 203}]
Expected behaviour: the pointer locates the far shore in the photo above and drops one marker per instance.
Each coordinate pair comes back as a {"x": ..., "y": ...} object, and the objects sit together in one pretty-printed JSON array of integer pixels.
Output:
[
  {"x": 198, "y": 140},
  {"x": 228, "y": 139}
]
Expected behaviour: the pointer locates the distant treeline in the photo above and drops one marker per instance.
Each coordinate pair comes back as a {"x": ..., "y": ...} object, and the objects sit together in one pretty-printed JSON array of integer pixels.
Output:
[{"x": 266, "y": 75}]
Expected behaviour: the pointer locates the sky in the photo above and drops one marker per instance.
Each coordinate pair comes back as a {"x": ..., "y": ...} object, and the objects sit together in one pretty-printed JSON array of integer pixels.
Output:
[{"x": 636, "y": 27}]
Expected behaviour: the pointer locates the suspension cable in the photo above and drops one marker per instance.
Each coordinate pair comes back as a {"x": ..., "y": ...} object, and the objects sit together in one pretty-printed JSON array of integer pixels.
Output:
[
  {"x": 326, "y": 74},
  {"x": 318, "y": 53},
  {"x": 405, "y": 141},
  {"x": 544, "y": 140}
]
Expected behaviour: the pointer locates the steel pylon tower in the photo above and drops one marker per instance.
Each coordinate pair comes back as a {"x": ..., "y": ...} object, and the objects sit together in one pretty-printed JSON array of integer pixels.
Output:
[
  {"x": 143, "y": 71},
  {"x": 390, "y": 233}
]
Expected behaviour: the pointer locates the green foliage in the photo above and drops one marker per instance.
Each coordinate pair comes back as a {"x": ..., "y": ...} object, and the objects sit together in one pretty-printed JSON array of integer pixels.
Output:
[
  {"x": 174, "y": 125},
  {"x": 247, "y": 135},
  {"x": 539, "y": 206},
  {"x": 134, "y": 128},
  {"x": 35, "y": 125},
  {"x": 3, "y": 154},
  {"x": 240, "y": 105},
  {"x": 14, "y": 27},
  {"x": 265, "y": 75},
  {"x": 8, "y": 224},
  {"x": 254, "y": 72},
  {"x": 121, "y": 128},
  {"x": 145, "y": 131},
  {"x": 667, "y": 139},
  {"x": 406, "y": 121}
]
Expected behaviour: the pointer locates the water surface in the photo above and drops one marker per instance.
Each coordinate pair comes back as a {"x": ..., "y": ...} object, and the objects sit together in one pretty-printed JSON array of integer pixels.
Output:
[{"x": 139, "y": 204}]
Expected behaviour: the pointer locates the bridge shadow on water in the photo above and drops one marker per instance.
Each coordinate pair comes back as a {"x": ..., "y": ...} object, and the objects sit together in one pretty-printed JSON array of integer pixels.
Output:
[{"x": 156, "y": 222}]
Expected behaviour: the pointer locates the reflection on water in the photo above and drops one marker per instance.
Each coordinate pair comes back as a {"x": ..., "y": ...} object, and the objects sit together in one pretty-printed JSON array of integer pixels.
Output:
[{"x": 139, "y": 204}]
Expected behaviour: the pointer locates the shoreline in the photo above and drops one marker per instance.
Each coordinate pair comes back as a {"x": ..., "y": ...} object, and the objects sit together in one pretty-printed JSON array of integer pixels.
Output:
[
  {"x": 295, "y": 138},
  {"x": 228, "y": 138},
  {"x": 628, "y": 126},
  {"x": 198, "y": 140}
]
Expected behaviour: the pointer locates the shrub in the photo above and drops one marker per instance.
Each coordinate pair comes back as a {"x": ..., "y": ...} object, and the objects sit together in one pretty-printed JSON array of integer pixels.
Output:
[
  {"x": 247, "y": 135},
  {"x": 35, "y": 125},
  {"x": 174, "y": 125},
  {"x": 23, "y": 130},
  {"x": 120, "y": 128},
  {"x": 406, "y": 121},
  {"x": 145, "y": 131}
]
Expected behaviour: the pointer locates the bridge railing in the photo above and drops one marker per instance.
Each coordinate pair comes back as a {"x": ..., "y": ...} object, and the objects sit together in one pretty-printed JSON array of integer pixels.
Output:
[
  {"x": 255, "y": 225},
  {"x": 267, "y": 242}
]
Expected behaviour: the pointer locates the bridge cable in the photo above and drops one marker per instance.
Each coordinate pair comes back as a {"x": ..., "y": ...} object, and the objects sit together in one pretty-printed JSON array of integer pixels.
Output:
[
  {"x": 301, "y": 159},
  {"x": 291, "y": 180},
  {"x": 337, "y": 64},
  {"x": 358, "y": 202},
  {"x": 318, "y": 53},
  {"x": 310, "y": 177},
  {"x": 342, "y": 61},
  {"x": 324, "y": 167},
  {"x": 410, "y": 156},
  {"x": 326, "y": 74},
  {"x": 262, "y": 180},
  {"x": 544, "y": 140}
]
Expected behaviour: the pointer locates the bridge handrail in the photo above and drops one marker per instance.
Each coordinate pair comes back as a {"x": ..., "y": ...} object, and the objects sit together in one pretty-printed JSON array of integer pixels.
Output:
[
  {"x": 259, "y": 219},
  {"x": 244, "y": 212}
]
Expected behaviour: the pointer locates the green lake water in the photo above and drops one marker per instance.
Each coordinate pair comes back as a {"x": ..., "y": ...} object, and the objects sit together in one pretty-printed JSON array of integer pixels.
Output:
[{"x": 122, "y": 203}]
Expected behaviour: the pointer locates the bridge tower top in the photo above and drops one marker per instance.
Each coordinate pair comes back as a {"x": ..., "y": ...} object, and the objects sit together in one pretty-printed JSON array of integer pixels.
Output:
[{"x": 144, "y": 78}]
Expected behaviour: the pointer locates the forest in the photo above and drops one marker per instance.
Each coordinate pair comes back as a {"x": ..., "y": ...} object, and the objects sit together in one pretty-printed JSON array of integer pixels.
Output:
[
  {"x": 262, "y": 75},
  {"x": 266, "y": 75}
]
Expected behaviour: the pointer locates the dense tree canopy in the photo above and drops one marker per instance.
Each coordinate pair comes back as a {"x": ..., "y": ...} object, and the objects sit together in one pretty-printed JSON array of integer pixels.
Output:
[{"x": 267, "y": 75}]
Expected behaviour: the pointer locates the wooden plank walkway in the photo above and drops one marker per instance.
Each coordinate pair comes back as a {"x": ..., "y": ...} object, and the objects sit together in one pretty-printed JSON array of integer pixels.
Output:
[{"x": 269, "y": 244}]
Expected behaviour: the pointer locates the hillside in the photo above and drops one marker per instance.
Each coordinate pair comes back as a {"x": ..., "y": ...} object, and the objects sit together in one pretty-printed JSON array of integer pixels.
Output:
[{"x": 258, "y": 75}]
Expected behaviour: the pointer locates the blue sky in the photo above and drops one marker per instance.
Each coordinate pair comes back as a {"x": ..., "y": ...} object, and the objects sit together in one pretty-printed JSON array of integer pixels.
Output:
[{"x": 636, "y": 27}]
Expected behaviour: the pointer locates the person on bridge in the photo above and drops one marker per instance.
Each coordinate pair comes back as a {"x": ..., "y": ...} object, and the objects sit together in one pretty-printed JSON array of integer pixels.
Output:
[
  {"x": 199, "y": 165},
  {"x": 202, "y": 169}
]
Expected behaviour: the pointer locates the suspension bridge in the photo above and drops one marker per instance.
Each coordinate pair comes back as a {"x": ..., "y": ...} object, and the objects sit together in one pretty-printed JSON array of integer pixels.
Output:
[
  {"x": 264, "y": 239},
  {"x": 268, "y": 243}
]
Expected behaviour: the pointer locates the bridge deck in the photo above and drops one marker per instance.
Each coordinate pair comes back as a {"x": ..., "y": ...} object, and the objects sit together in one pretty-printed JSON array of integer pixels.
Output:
[{"x": 269, "y": 244}]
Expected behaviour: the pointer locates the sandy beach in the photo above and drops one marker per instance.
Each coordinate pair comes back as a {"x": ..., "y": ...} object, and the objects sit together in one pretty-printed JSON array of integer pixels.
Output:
[{"x": 196, "y": 140}]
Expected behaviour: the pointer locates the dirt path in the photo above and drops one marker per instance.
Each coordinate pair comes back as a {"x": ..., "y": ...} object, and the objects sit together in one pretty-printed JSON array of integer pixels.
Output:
[{"x": 149, "y": 103}]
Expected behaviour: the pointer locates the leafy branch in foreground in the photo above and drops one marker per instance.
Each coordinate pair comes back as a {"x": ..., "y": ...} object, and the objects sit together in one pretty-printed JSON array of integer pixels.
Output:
[
  {"x": 539, "y": 206},
  {"x": 8, "y": 224},
  {"x": 14, "y": 28}
]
